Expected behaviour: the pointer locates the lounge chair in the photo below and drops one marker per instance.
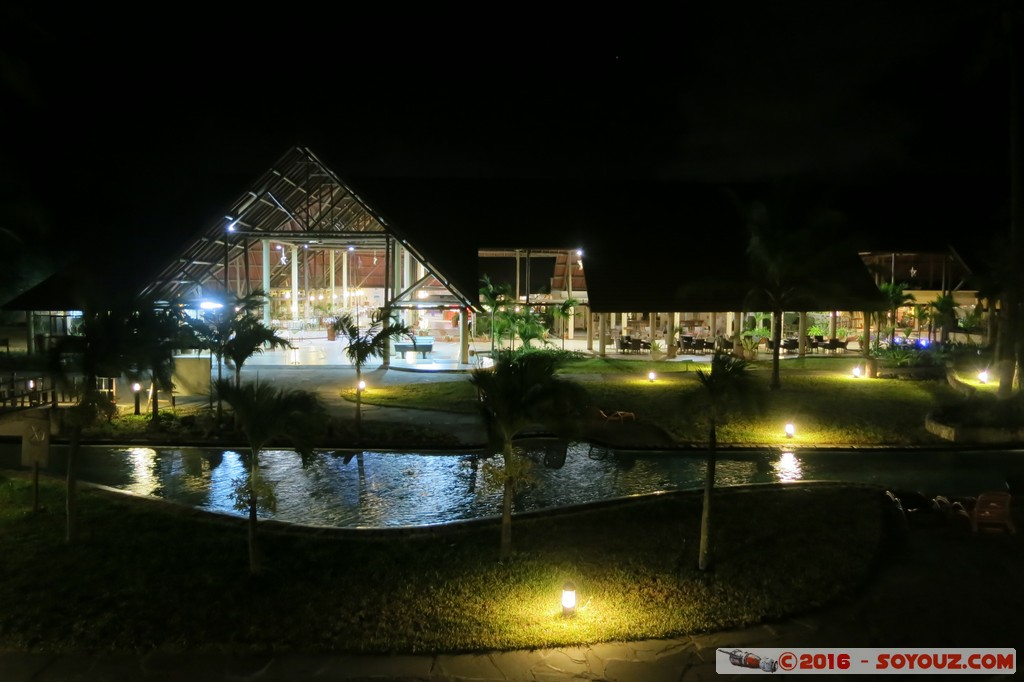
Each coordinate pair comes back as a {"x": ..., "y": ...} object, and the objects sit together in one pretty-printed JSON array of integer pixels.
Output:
[
  {"x": 617, "y": 416},
  {"x": 992, "y": 509}
]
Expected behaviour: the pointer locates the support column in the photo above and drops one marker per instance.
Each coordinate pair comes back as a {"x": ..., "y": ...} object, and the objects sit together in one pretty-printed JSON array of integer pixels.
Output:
[
  {"x": 517, "y": 275},
  {"x": 334, "y": 294},
  {"x": 464, "y": 336},
  {"x": 267, "y": 313},
  {"x": 568, "y": 283},
  {"x": 295, "y": 283},
  {"x": 590, "y": 330},
  {"x": 603, "y": 331},
  {"x": 865, "y": 343},
  {"x": 652, "y": 321},
  {"x": 832, "y": 324},
  {"x": 714, "y": 326},
  {"x": 344, "y": 280},
  {"x": 802, "y": 334}
]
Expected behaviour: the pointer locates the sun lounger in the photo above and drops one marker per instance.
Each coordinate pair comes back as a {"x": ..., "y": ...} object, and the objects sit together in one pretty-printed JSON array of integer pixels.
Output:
[{"x": 992, "y": 509}]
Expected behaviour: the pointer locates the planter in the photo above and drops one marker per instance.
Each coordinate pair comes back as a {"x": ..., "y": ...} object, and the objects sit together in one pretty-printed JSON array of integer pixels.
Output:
[{"x": 332, "y": 334}]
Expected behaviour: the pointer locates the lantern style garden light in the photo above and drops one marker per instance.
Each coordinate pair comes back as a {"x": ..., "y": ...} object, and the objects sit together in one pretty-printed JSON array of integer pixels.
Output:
[
  {"x": 651, "y": 376},
  {"x": 568, "y": 600},
  {"x": 790, "y": 430},
  {"x": 136, "y": 387},
  {"x": 983, "y": 376}
]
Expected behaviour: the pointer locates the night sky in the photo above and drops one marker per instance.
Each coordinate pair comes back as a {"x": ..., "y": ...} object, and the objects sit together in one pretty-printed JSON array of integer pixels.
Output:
[{"x": 124, "y": 124}]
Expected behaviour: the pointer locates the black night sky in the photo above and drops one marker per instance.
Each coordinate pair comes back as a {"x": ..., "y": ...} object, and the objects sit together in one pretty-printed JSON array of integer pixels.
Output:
[{"x": 129, "y": 124}]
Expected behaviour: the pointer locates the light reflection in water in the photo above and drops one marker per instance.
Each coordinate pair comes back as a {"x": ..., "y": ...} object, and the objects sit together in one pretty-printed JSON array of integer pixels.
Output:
[
  {"x": 788, "y": 468},
  {"x": 143, "y": 469},
  {"x": 375, "y": 489}
]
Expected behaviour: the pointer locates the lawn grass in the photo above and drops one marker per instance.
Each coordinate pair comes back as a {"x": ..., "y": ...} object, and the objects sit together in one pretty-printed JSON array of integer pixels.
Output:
[
  {"x": 827, "y": 407},
  {"x": 146, "y": 575}
]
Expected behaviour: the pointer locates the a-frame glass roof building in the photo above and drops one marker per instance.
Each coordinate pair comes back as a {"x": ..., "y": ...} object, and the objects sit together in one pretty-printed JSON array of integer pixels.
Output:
[{"x": 303, "y": 235}]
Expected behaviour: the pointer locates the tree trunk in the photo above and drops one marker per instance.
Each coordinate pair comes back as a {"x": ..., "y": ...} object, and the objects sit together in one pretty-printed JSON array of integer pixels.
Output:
[
  {"x": 359, "y": 405},
  {"x": 506, "y": 504},
  {"x": 155, "y": 419},
  {"x": 776, "y": 343},
  {"x": 71, "y": 484},
  {"x": 220, "y": 403},
  {"x": 254, "y": 562},
  {"x": 704, "y": 560}
]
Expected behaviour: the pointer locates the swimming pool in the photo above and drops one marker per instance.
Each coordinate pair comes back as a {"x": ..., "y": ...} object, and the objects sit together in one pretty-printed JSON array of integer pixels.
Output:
[{"x": 365, "y": 489}]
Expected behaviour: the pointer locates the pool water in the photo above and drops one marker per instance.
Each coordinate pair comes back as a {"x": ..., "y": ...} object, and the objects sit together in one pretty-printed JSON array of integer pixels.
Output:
[{"x": 382, "y": 489}]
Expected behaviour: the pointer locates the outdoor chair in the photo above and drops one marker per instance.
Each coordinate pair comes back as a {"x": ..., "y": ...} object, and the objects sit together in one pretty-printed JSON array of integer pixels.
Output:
[
  {"x": 992, "y": 509},
  {"x": 617, "y": 416},
  {"x": 634, "y": 345}
]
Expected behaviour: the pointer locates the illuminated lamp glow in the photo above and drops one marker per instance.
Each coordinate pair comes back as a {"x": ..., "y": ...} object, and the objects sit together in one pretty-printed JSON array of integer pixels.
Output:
[
  {"x": 136, "y": 387},
  {"x": 361, "y": 386},
  {"x": 651, "y": 376},
  {"x": 856, "y": 372},
  {"x": 983, "y": 376},
  {"x": 568, "y": 599},
  {"x": 790, "y": 430},
  {"x": 211, "y": 305}
]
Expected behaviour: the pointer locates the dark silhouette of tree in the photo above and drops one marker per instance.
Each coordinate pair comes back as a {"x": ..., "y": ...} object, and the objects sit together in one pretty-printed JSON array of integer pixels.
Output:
[
  {"x": 790, "y": 264},
  {"x": 523, "y": 389},
  {"x": 217, "y": 327},
  {"x": 265, "y": 414},
  {"x": 728, "y": 385},
  {"x": 250, "y": 337},
  {"x": 154, "y": 335},
  {"x": 364, "y": 345},
  {"x": 494, "y": 298},
  {"x": 77, "y": 362}
]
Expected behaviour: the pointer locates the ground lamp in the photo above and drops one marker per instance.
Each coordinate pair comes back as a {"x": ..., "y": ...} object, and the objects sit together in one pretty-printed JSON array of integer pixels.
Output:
[
  {"x": 568, "y": 600},
  {"x": 856, "y": 372},
  {"x": 651, "y": 376},
  {"x": 983, "y": 376},
  {"x": 361, "y": 386},
  {"x": 136, "y": 387},
  {"x": 790, "y": 430}
]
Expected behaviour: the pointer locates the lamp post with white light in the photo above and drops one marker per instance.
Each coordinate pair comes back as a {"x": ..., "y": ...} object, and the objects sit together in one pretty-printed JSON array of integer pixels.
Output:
[{"x": 136, "y": 387}]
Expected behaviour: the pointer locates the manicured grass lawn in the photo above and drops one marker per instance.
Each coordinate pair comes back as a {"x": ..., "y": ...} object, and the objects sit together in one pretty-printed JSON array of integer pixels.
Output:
[
  {"x": 827, "y": 406},
  {"x": 147, "y": 575}
]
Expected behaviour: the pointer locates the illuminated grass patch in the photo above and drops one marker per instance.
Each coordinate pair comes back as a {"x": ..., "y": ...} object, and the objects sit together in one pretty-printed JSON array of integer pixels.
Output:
[{"x": 145, "y": 574}]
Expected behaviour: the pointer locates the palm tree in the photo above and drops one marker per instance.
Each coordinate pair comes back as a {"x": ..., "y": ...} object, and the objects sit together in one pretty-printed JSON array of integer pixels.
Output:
[
  {"x": 528, "y": 326},
  {"x": 364, "y": 345},
  {"x": 217, "y": 327},
  {"x": 897, "y": 296},
  {"x": 945, "y": 314},
  {"x": 564, "y": 312},
  {"x": 493, "y": 297},
  {"x": 250, "y": 336},
  {"x": 265, "y": 414},
  {"x": 154, "y": 336},
  {"x": 791, "y": 266},
  {"x": 521, "y": 390},
  {"x": 99, "y": 351},
  {"x": 727, "y": 383}
]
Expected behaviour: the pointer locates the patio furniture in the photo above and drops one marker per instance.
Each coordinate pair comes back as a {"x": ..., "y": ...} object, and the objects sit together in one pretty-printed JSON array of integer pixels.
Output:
[
  {"x": 617, "y": 416},
  {"x": 635, "y": 345},
  {"x": 419, "y": 344},
  {"x": 993, "y": 509}
]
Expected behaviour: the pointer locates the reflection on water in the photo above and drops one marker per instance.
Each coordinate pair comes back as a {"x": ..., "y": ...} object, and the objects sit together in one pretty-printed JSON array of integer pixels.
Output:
[
  {"x": 787, "y": 468},
  {"x": 377, "y": 489}
]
